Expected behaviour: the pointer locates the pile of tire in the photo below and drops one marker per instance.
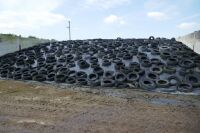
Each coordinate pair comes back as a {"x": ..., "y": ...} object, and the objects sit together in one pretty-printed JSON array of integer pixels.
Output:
[{"x": 150, "y": 64}]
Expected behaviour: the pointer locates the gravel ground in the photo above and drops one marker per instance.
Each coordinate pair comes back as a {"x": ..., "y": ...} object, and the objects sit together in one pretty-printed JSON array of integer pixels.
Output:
[{"x": 43, "y": 108}]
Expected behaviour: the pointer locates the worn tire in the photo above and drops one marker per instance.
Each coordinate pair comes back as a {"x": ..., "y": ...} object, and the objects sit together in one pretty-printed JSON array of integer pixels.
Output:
[
  {"x": 39, "y": 78},
  {"x": 107, "y": 83},
  {"x": 184, "y": 87},
  {"x": 162, "y": 83},
  {"x": 147, "y": 84}
]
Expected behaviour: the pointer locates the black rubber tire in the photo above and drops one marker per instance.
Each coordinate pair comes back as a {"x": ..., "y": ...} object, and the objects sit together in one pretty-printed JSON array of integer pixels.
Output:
[
  {"x": 70, "y": 80},
  {"x": 187, "y": 64},
  {"x": 118, "y": 65},
  {"x": 69, "y": 57},
  {"x": 34, "y": 73},
  {"x": 40, "y": 64},
  {"x": 51, "y": 77},
  {"x": 39, "y": 78},
  {"x": 125, "y": 70},
  {"x": 61, "y": 60},
  {"x": 81, "y": 81},
  {"x": 49, "y": 67},
  {"x": 81, "y": 74},
  {"x": 107, "y": 83},
  {"x": 172, "y": 61},
  {"x": 164, "y": 48},
  {"x": 184, "y": 87},
  {"x": 109, "y": 75},
  {"x": 133, "y": 65},
  {"x": 98, "y": 70},
  {"x": 151, "y": 38},
  {"x": 127, "y": 57},
  {"x": 17, "y": 76},
  {"x": 156, "y": 70},
  {"x": 20, "y": 63},
  {"x": 60, "y": 78},
  {"x": 116, "y": 60},
  {"x": 173, "y": 80},
  {"x": 63, "y": 70},
  {"x": 83, "y": 64},
  {"x": 94, "y": 64},
  {"x": 152, "y": 76},
  {"x": 146, "y": 63},
  {"x": 160, "y": 64},
  {"x": 71, "y": 73},
  {"x": 93, "y": 77},
  {"x": 120, "y": 77},
  {"x": 4, "y": 73},
  {"x": 121, "y": 85},
  {"x": 9, "y": 76},
  {"x": 155, "y": 60},
  {"x": 165, "y": 55},
  {"x": 30, "y": 61},
  {"x": 155, "y": 52},
  {"x": 93, "y": 80},
  {"x": 147, "y": 84},
  {"x": 26, "y": 77},
  {"x": 50, "y": 61},
  {"x": 193, "y": 79},
  {"x": 184, "y": 71},
  {"x": 140, "y": 71},
  {"x": 40, "y": 59},
  {"x": 106, "y": 63},
  {"x": 169, "y": 70},
  {"x": 43, "y": 71},
  {"x": 71, "y": 65},
  {"x": 17, "y": 69},
  {"x": 93, "y": 60},
  {"x": 133, "y": 77},
  {"x": 161, "y": 83}
]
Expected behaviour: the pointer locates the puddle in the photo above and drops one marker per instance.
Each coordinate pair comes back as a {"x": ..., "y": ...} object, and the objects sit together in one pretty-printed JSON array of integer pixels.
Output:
[
  {"x": 165, "y": 101},
  {"x": 115, "y": 93},
  {"x": 31, "y": 121}
]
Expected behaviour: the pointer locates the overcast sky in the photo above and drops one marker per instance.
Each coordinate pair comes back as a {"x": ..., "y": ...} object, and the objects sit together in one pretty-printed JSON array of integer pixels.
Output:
[{"x": 99, "y": 18}]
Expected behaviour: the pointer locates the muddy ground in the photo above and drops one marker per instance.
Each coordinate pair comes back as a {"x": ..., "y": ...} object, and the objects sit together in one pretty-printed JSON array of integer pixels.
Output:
[{"x": 42, "y": 108}]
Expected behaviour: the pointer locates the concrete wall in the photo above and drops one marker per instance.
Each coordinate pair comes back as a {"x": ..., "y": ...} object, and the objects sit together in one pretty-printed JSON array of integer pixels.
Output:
[{"x": 191, "y": 40}]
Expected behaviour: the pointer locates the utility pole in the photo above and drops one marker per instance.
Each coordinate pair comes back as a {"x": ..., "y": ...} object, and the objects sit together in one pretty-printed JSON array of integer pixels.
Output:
[
  {"x": 194, "y": 42},
  {"x": 19, "y": 42},
  {"x": 69, "y": 28}
]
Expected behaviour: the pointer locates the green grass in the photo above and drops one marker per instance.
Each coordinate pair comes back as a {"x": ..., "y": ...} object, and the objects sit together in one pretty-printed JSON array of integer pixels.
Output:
[{"x": 14, "y": 39}]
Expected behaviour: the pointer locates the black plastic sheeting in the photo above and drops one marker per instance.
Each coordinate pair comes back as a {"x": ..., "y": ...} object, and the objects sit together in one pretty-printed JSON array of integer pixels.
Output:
[{"x": 155, "y": 64}]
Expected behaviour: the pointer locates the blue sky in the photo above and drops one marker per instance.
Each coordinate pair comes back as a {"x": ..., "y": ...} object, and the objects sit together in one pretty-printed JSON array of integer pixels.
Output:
[{"x": 100, "y": 18}]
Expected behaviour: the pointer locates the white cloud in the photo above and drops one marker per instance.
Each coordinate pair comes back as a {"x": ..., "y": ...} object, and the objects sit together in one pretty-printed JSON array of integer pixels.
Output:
[
  {"x": 24, "y": 5},
  {"x": 16, "y": 15},
  {"x": 114, "y": 19},
  {"x": 155, "y": 4},
  {"x": 159, "y": 16},
  {"x": 190, "y": 17},
  {"x": 106, "y": 4},
  {"x": 189, "y": 26}
]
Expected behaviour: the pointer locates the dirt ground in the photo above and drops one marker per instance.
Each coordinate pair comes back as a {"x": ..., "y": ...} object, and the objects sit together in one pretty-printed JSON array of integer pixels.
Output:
[{"x": 43, "y": 108}]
